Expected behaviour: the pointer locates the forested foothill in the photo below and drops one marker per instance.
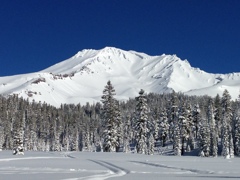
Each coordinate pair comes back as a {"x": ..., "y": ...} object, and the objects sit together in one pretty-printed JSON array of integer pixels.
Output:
[{"x": 148, "y": 124}]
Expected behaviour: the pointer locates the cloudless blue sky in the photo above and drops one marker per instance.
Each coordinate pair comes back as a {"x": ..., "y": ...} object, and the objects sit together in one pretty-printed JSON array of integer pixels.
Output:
[{"x": 35, "y": 34}]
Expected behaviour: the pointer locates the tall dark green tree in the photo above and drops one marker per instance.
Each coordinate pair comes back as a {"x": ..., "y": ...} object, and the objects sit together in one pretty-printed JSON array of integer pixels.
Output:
[
  {"x": 141, "y": 123},
  {"x": 163, "y": 127},
  {"x": 218, "y": 115},
  {"x": 184, "y": 125},
  {"x": 127, "y": 134},
  {"x": 111, "y": 119},
  {"x": 236, "y": 127},
  {"x": 237, "y": 136},
  {"x": 213, "y": 129},
  {"x": 227, "y": 140},
  {"x": 173, "y": 116},
  {"x": 18, "y": 132},
  {"x": 196, "y": 119},
  {"x": 204, "y": 138}
]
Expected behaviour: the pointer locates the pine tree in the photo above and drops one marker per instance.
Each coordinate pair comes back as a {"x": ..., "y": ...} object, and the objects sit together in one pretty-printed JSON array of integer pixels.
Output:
[
  {"x": 66, "y": 140},
  {"x": 74, "y": 137},
  {"x": 227, "y": 144},
  {"x": 174, "y": 130},
  {"x": 184, "y": 126},
  {"x": 218, "y": 115},
  {"x": 213, "y": 129},
  {"x": 237, "y": 136},
  {"x": 18, "y": 133},
  {"x": 163, "y": 127},
  {"x": 190, "y": 133},
  {"x": 87, "y": 128},
  {"x": 57, "y": 134},
  {"x": 204, "y": 139},
  {"x": 111, "y": 119},
  {"x": 236, "y": 127},
  {"x": 196, "y": 119},
  {"x": 127, "y": 134},
  {"x": 73, "y": 131},
  {"x": 155, "y": 123},
  {"x": 173, "y": 114},
  {"x": 141, "y": 123},
  {"x": 119, "y": 126}
]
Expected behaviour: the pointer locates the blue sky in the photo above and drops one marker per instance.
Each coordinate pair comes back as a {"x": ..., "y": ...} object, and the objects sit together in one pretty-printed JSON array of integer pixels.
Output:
[{"x": 35, "y": 34}]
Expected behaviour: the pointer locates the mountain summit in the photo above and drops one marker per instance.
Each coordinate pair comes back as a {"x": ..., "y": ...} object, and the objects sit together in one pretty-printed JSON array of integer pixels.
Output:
[{"x": 81, "y": 78}]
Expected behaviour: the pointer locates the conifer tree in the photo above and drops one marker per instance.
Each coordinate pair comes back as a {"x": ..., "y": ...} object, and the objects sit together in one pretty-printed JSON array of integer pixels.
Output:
[
  {"x": 227, "y": 144},
  {"x": 127, "y": 134},
  {"x": 190, "y": 133},
  {"x": 184, "y": 126},
  {"x": 57, "y": 134},
  {"x": 119, "y": 126},
  {"x": 204, "y": 139},
  {"x": 155, "y": 123},
  {"x": 174, "y": 130},
  {"x": 163, "y": 127},
  {"x": 237, "y": 136},
  {"x": 218, "y": 115},
  {"x": 74, "y": 137},
  {"x": 18, "y": 133},
  {"x": 196, "y": 119},
  {"x": 236, "y": 127},
  {"x": 66, "y": 140},
  {"x": 73, "y": 132},
  {"x": 111, "y": 119},
  {"x": 213, "y": 129},
  {"x": 141, "y": 123}
]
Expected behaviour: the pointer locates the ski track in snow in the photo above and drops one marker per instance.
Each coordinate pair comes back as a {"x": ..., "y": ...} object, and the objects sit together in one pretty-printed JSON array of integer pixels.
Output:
[
  {"x": 175, "y": 168},
  {"x": 113, "y": 170}
]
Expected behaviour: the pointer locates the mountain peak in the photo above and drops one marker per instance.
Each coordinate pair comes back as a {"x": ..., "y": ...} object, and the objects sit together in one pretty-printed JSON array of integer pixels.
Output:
[
  {"x": 82, "y": 77},
  {"x": 110, "y": 49}
]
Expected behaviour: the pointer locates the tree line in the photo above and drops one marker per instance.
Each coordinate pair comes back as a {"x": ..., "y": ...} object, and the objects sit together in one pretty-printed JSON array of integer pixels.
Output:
[{"x": 143, "y": 124}]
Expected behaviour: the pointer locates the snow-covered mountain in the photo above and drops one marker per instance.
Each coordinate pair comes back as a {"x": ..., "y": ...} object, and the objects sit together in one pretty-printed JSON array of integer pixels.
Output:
[{"x": 82, "y": 78}]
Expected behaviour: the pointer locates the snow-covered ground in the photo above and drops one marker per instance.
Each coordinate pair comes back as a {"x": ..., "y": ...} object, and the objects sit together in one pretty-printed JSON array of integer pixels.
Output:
[{"x": 99, "y": 165}]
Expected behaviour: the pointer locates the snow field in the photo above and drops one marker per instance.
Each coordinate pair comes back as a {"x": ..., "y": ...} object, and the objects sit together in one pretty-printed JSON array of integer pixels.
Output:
[{"x": 100, "y": 166}]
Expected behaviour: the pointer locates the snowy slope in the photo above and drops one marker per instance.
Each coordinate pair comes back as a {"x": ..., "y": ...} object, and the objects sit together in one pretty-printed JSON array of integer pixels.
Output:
[{"x": 82, "y": 78}]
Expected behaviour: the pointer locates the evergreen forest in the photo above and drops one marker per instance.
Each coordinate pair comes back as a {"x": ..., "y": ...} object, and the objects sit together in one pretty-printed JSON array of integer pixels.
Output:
[{"x": 208, "y": 126}]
